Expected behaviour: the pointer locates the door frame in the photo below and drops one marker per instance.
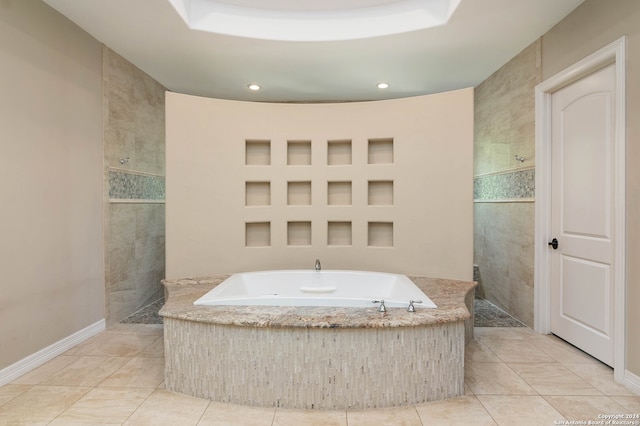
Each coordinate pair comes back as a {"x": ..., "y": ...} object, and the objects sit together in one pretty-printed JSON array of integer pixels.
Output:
[{"x": 613, "y": 53}]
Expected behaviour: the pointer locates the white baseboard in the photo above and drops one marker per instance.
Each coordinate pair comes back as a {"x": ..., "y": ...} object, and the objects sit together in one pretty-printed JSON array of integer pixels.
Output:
[
  {"x": 35, "y": 360},
  {"x": 632, "y": 381}
]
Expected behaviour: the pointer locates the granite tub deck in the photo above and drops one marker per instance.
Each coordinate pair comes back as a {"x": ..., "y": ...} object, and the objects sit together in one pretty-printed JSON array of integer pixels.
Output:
[{"x": 317, "y": 357}]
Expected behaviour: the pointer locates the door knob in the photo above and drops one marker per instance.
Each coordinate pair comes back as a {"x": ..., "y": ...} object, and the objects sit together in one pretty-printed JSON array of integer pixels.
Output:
[{"x": 554, "y": 243}]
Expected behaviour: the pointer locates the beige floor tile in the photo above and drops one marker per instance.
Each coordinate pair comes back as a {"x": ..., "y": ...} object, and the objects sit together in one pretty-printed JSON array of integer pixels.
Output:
[
  {"x": 630, "y": 403},
  {"x": 46, "y": 370},
  {"x": 309, "y": 418},
  {"x": 517, "y": 351},
  {"x": 590, "y": 369},
  {"x": 560, "y": 350},
  {"x": 584, "y": 407},
  {"x": 489, "y": 378},
  {"x": 103, "y": 405},
  {"x": 608, "y": 387},
  {"x": 154, "y": 329},
  {"x": 466, "y": 410},
  {"x": 553, "y": 379},
  {"x": 218, "y": 414},
  {"x": 168, "y": 408},
  {"x": 86, "y": 371},
  {"x": 478, "y": 352},
  {"x": 89, "y": 423},
  {"x": 504, "y": 333},
  {"x": 154, "y": 350},
  {"x": 40, "y": 404},
  {"x": 91, "y": 341},
  {"x": 520, "y": 410},
  {"x": 137, "y": 373},
  {"x": 115, "y": 344},
  {"x": 10, "y": 391},
  {"x": 500, "y": 388},
  {"x": 396, "y": 416},
  {"x": 600, "y": 377}
]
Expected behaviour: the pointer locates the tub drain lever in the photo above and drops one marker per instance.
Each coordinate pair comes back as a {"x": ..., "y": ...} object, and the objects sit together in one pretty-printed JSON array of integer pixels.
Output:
[
  {"x": 381, "y": 308},
  {"x": 412, "y": 308}
]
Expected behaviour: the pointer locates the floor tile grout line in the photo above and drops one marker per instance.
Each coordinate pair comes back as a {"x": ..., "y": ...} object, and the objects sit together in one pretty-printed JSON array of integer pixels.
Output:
[
  {"x": 273, "y": 419},
  {"x": 554, "y": 407},
  {"x": 203, "y": 413},
  {"x": 138, "y": 407},
  {"x": 75, "y": 402},
  {"x": 418, "y": 414},
  {"x": 487, "y": 410},
  {"x": 569, "y": 371}
]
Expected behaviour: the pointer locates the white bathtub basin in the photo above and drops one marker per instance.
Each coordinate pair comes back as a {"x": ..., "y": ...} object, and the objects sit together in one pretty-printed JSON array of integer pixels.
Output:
[{"x": 316, "y": 288}]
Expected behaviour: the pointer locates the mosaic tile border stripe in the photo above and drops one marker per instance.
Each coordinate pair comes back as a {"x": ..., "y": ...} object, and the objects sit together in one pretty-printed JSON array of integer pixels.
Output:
[
  {"x": 505, "y": 186},
  {"x": 132, "y": 186}
]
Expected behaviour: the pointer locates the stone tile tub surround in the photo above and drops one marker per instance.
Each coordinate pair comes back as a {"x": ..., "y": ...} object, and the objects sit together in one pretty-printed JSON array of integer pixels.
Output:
[{"x": 317, "y": 357}]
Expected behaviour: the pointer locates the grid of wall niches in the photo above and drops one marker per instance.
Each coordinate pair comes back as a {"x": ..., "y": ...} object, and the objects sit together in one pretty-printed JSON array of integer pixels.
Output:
[{"x": 299, "y": 191}]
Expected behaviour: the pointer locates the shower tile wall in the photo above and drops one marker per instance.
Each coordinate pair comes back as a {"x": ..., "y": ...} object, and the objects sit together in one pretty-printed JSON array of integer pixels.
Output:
[
  {"x": 134, "y": 191},
  {"x": 504, "y": 187}
]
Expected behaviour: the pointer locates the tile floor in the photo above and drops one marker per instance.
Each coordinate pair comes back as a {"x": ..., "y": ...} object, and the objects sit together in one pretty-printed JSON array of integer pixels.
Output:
[{"x": 513, "y": 377}]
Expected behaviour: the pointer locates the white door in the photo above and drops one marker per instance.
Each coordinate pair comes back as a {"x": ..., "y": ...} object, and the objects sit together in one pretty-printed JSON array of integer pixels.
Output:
[{"x": 582, "y": 213}]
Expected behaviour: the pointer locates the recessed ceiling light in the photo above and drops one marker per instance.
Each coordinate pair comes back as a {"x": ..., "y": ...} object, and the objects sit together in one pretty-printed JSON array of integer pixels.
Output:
[
  {"x": 383, "y": 85},
  {"x": 254, "y": 87}
]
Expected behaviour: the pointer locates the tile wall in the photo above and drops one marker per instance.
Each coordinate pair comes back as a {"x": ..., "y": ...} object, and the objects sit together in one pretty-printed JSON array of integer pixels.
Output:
[
  {"x": 134, "y": 145},
  {"x": 315, "y": 368},
  {"x": 504, "y": 187}
]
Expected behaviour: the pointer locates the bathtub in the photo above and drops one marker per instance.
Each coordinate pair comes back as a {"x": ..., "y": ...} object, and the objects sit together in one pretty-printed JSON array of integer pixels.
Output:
[
  {"x": 317, "y": 288},
  {"x": 317, "y": 357}
]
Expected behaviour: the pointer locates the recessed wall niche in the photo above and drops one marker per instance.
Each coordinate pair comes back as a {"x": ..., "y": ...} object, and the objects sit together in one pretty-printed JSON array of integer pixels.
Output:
[
  {"x": 299, "y": 193},
  {"x": 339, "y": 193},
  {"x": 257, "y": 194},
  {"x": 257, "y": 152},
  {"x": 380, "y": 234},
  {"x": 298, "y": 153},
  {"x": 208, "y": 166},
  {"x": 339, "y": 152},
  {"x": 299, "y": 233},
  {"x": 380, "y": 193},
  {"x": 339, "y": 233},
  {"x": 380, "y": 151},
  {"x": 258, "y": 234}
]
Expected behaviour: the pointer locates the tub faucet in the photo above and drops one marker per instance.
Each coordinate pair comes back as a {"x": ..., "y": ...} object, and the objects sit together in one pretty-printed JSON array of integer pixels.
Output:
[
  {"x": 381, "y": 308},
  {"x": 412, "y": 308},
  {"x": 318, "y": 266}
]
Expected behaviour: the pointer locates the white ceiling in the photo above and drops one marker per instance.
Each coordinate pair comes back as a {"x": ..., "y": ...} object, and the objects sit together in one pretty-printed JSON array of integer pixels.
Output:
[{"x": 480, "y": 36}]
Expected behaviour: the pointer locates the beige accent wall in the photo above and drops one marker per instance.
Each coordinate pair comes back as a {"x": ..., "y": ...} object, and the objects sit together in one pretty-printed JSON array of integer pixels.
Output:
[
  {"x": 430, "y": 206},
  {"x": 503, "y": 229},
  {"x": 591, "y": 26},
  {"x": 134, "y": 228},
  {"x": 51, "y": 244}
]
